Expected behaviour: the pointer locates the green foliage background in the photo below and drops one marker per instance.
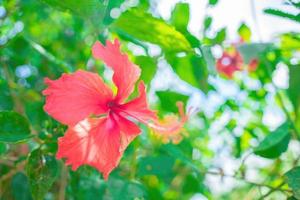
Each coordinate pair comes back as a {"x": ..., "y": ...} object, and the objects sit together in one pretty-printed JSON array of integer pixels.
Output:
[{"x": 46, "y": 38}]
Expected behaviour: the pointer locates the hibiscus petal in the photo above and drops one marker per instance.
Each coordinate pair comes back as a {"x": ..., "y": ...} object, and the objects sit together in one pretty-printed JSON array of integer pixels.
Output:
[
  {"x": 138, "y": 107},
  {"x": 125, "y": 72},
  {"x": 99, "y": 143},
  {"x": 128, "y": 130},
  {"x": 73, "y": 97},
  {"x": 170, "y": 128}
]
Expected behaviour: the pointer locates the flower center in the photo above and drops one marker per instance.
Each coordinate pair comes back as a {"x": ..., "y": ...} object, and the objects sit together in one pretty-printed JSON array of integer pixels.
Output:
[{"x": 111, "y": 104}]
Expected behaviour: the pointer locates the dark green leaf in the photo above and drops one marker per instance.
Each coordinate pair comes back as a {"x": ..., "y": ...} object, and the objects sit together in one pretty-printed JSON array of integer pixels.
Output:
[
  {"x": 3, "y": 148},
  {"x": 294, "y": 89},
  {"x": 292, "y": 198},
  {"x": 295, "y": 3},
  {"x": 153, "y": 166},
  {"x": 191, "y": 184},
  {"x": 6, "y": 101},
  {"x": 110, "y": 6},
  {"x": 20, "y": 187},
  {"x": 207, "y": 22},
  {"x": 283, "y": 14},
  {"x": 218, "y": 39},
  {"x": 293, "y": 180},
  {"x": 85, "y": 183},
  {"x": 35, "y": 113},
  {"x": 161, "y": 33},
  {"x": 175, "y": 152},
  {"x": 275, "y": 143},
  {"x": 213, "y": 2},
  {"x": 123, "y": 189},
  {"x": 42, "y": 171},
  {"x": 168, "y": 100},
  {"x": 13, "y": 127},
  {"x": 221, "y": 36}
]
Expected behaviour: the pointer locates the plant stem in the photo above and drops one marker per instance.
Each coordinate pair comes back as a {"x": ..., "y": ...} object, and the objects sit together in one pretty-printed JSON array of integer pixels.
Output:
[
  {"x": 278, "y": 188},
  {"x": 254, "y": 17},
  {"x": 40, "y": 49},
  {"x": 12, "y": 172},
  {"x": 18, "y": 107},
  {"x": 63, "y": 183},
  {"x": 272, "y": 190},
  {"x": 280, "y": 99}
]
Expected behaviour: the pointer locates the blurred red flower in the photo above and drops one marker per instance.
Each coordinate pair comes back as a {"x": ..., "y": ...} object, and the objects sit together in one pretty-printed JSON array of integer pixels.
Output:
[
  {"x": 229, "y": 63},
  {"x": 232, "y": 61},
  {"x": 252, "y": 66}
]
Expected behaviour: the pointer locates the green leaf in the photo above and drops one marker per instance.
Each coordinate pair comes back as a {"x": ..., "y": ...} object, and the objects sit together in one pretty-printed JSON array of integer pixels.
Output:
[
  {"x": 293, "y": 180},
  {"x": 136, "y": 22},
  {"x": 85, "y": 183},
  {"x": 175, "y": 152},
  {"x": 207, "y": 22},
  {"x": 168, "y": 100},
  {"x": 252, "y": 51},
  {"x": 152, "y": 165},
  {"x": 290, "y": 41},
  {"x": 294, "y": 89},
  {"x": 245, "y": 32},
  {"x": 125, "y": 190},
  {"x": 292, "y": 198},
  {"x": 295, "y": 3},
  {"x": 213, "y": 2},
  {"x": 35, "y": 113},
  {"x": 275, "y": 143},
  {"x": 283, "y": 14},
  {"x": 13, "y": 127},
  {"x": 3, "y": 148},
  {"x": 179, "y": 19},
  {"x": 42, "y": 171},
  {"x": 190, "y": 68},
  {"x": 20, "y": 187},
  {"x": 181, "y": 16},
  {"x": 191, "y": 184},
  {"x": 148, "y": 67},
  {"x": 88, "y": 8},
  {"x": 221, "y": 36},
  {"x": 218, "y": 39},
  {"x": 6, "y": 101},
  {"x": 110, "y": 6}
]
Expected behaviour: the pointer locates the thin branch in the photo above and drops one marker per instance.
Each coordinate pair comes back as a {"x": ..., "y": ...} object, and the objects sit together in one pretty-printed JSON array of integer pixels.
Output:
[
  {"x": 63, "y": 183},
  {"x": 254, "y": 17},
  {"x": 248, "y": 181},
  {"x": 18, "y": 106},
  {"x": 272, "y": 190},
  {"x": 295, "y": 163},
  {"x": 19, "y": 167},
  {"x": 280, "y": 99},
  {"x": 243, "y": 161},
  {"x": 40, "y": 49}
]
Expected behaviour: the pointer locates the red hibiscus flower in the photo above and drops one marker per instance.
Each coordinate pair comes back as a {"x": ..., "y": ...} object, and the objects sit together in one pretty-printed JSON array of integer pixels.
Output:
[
  {"x": 253, "y": 64},
  {"x": 100, "y": 123},
  {"x": 229, "y": 63}
]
